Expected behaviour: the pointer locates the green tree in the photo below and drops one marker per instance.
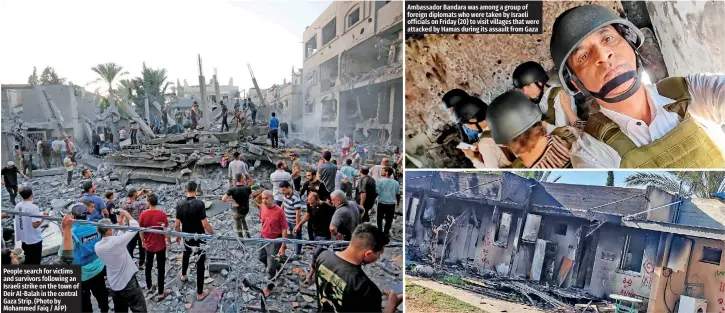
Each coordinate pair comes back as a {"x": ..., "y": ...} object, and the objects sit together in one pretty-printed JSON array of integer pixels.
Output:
[
  {"x": 108, "y": 73},
  {"x": 694, "y": 183},
  {"x": 50, "y": 77},
  {"x": 151, "y": 83},
  {"x": 33, "y": 79},
  {"x": 610, "y": 178}
]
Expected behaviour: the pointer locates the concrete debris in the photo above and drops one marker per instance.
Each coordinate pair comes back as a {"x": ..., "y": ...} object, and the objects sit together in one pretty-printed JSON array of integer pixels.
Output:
[{"x": 492, "y": 284}]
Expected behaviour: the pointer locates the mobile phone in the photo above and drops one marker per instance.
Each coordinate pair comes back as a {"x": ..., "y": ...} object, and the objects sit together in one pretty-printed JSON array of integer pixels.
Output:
[{"x": 464, "y": 146}]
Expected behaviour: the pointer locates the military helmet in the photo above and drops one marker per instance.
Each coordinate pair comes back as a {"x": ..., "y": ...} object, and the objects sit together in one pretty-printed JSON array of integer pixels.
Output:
[
  {"x": 574, "y": 25},
  {"x": 510, "y": 115},
  {"x": 527, "y": 73},
  {"x": 470, "y": 107}
]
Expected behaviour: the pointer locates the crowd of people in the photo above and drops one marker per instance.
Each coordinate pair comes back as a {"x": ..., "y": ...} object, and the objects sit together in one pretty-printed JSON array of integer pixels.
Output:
[
  {"x": 603, "y": 115},
  {"x": 334, "y": 202}
]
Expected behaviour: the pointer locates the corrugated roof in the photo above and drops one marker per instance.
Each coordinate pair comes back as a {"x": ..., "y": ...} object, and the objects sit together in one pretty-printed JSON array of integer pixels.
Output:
[
  {"x": 709, "y": 213},
  {"x": 584, "y": 197}
]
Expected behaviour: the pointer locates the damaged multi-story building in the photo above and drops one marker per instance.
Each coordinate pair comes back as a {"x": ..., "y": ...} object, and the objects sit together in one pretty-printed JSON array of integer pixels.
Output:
[
  {"x": 352, "y": 72},
  {"x": 648, "y": 244},
  {"x": 285, "y": 100}
]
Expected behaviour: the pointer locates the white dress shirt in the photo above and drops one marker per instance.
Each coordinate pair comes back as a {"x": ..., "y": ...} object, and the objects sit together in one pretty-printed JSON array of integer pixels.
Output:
[{"x": 707, "y": 108}]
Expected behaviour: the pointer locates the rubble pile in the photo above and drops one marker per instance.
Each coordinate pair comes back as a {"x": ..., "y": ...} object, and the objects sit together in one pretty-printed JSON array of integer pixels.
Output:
[
  {"x": 468, "y": 277},
  {"x": 234, "y": 274}
]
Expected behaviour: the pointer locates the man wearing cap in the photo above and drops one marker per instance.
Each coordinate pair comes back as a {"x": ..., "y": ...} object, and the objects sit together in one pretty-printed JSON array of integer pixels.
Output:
[
  {"x": 93, "y": 271},
  {"x": 559, "y": 108},
  {"x": 676, "y": 123},
  {"x": 10, "y": 179},
  {"x": 121, "y": 270},
  {"x": 89, "y": 192}
]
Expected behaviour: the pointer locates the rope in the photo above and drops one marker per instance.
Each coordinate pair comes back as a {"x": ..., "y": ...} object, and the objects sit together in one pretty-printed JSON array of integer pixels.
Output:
[{"x": 197, "y": 236}]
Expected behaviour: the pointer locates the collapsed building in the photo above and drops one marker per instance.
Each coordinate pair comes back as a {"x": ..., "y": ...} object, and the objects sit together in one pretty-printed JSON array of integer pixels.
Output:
[
  {"x": 163, "y": 163},
  {"x": 564, "y": 243},
  {"x": 352, "y": 73}
]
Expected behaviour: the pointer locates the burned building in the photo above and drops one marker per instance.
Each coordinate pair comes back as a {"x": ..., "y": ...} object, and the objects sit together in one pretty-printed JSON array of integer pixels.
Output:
[
  {"x": 352, "y": 72},
  {"x": 584, "y": 242}
]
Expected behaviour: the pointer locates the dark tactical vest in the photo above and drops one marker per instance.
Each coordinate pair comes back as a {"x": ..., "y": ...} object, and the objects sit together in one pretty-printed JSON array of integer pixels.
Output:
[
  {"x": 685, "y": 146},
  {"x": 550, "y": 116}
]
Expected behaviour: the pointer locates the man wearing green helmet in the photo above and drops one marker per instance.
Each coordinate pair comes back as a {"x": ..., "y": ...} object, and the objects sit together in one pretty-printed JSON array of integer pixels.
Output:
[{"x": 677, "y": 123}]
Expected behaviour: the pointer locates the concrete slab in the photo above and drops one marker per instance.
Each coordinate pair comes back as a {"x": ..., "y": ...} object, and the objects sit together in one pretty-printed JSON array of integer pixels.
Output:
[
  {"x": 90, "y": 161},
  {"x": 210, "y": 304},
  {"x": 161, "y": 177},
  {"x": 49, "y": 172},
  {"x": 217, "y": 207},
  {"x": 209, "y": 160},
  {"x": 208, "y": 185},
  {"x": 122, "y": 161},
  {"x": 60, "y": 204}
]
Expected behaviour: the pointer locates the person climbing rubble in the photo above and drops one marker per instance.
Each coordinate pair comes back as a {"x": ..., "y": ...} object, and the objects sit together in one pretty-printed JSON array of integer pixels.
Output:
[
  {"x": 345, "y": 144},
  {"x": 10, "y": 180},
  {"x": 273, "y": 130},
  {"x": 239, "y": 195}
]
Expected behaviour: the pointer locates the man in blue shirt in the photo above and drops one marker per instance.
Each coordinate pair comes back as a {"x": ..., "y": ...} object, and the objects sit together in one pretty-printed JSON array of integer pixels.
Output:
[
  {"x": 93, "y": 271},
  {"x": 388, "y": 191},
  {"x": 274, "y": 131},
  {"x": 89, "y": 192}
]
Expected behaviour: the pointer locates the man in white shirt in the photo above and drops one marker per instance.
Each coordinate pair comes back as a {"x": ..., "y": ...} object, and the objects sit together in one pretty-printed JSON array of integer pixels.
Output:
[
  {"x": 676, "y": 124},
  {"x": 376, "y": 170},
  {"x": 27, "y": 229},
  {"x": 237, "y": 166},
  {"x": 122, "y": 134},
  {"x": 277, "y": 177},
  {"x": 120, "y": 268},
  {"x": 558, "y": 107},
  {"x": 345, "y": 144}
]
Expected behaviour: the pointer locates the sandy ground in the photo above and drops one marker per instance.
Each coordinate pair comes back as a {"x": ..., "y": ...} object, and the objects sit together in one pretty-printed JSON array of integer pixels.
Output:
[{"x": 482, "y": 302}]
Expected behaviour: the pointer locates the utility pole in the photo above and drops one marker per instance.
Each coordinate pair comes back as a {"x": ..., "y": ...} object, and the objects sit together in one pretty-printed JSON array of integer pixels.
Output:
[
  {"x": 204, "y": 102},
  {"x": 146, "y": 105},
  {"x": 216, "y": 88}
]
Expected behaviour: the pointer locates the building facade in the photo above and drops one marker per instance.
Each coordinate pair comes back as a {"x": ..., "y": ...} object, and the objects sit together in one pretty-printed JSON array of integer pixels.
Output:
[
  {"x": 643, "y": 243},
  {"x": 352, "y": 72}
]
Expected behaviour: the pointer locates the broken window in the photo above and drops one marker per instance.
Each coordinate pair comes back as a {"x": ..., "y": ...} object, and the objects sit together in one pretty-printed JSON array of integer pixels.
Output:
[
  {"x": 560, "y": 229},
  {"x": 504, "y": 224},
  {"x": 632, "y": 253},
  {"x": 353, "y": 17},
  {"x": 311, "y": 47},
  {"x": 309, "y": 107},
  {"x": 412, "y": 210},
  {"x": 329, "y": 31},
  {"x": 711, "y": 255}
]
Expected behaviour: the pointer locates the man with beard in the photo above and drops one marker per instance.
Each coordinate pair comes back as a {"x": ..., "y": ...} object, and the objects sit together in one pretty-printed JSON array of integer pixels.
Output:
[{"x": 677, "y": 123}]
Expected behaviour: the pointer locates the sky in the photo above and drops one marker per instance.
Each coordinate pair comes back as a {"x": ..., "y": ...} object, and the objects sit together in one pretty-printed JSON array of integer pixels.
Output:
[
  {"x": 72, "y": 36},
  {"x": 598, "y": 178}
]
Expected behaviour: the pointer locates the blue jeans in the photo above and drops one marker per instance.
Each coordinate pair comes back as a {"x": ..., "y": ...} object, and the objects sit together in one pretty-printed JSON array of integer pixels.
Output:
[{"x": 297, "y": 235}]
